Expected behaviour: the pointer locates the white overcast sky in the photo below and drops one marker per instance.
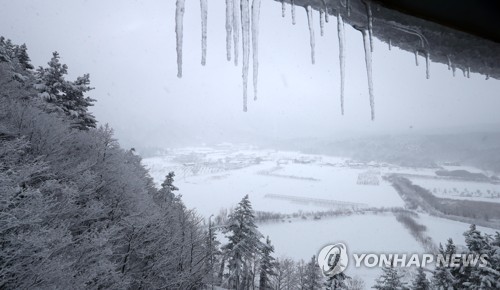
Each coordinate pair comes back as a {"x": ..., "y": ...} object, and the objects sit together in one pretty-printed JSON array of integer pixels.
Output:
[{"x": 128, "y": 47}]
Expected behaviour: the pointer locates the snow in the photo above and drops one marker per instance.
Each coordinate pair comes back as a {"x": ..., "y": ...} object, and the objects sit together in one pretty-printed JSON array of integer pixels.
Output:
[
  {"x": 179, "y": 18},
  {"x": 361, "y": 233},
  {"x": 459, "y": 189},
  {"x": 255, "y": 43},
  {"x": 311, "y": 31},
  {"x": 211, "y": 178},
  {"x": 225, "y": 176},
  {"x": 341, "y": 35},
  {"x": 441, "y": 229},
  {"x": 204, "y": 16}
]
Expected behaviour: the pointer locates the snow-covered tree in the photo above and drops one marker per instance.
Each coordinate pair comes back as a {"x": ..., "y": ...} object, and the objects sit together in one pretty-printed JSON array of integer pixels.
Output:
[
  {"x": 420, "y": 282},
  {"x": 338, "y": 281},
  {"x": 65, "y": 96},
  {"x": 442, "y": 277},
  {"x": 474, "y": 276},
  {"x": 390, "y": 279},
  {"x": 244, "y": 244},
  {"x": 312, "y": 279},
  {"x": 22, "y": 56},
  {"x": 267, "y": 265}
]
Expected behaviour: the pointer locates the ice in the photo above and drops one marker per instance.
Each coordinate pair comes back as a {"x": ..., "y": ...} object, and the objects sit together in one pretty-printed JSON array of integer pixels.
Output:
[
  {"x": 322, "y": 22},
  {"x": 368, "y": 61},
  {"x": 341, "y": 35},
  {"x": 454, "y": 70},
  {"x": 179, "y": 16},
  {"x": 229, "y": 27},
  {"x": 390, "y": 44},
  {"x": 468, "y": 72},
  {"x": 311, "y": 31},
  {"x": 449, "y": 62},
  {"x": 245, "y": 29},
  {"x": 370, "y": 22},
  {"x": 416, "y": 57},
  {"x": 204, "y": 16},
  {"x": 326, "y": 11},
  {"x": 236, "y": 28},
  {"x": 255, "y": 43},
  {"x": 427, "y": 65},
  {"x": 293, "y": 12},
  {"x": 283, "y": 8}
]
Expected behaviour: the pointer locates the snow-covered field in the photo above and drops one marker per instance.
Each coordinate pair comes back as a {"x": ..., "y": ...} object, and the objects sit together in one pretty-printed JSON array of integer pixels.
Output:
[
  {"x": 362, "y": 234},
  {"x": 465, "y": 190},
  {"x": 213, "y": 178}
]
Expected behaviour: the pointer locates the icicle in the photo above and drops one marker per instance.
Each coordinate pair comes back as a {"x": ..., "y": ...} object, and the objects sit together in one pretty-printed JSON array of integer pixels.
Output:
[
  {"x": 427, "y": 65},
  {"x": 416, "y": 57},
  {"x": 229, "y": 27},
  {"x": 341, "y": 35},
  {"x": 454, "y": 70},
  {"x": 390, "y": 44},
  {"x": 449, "y": 62},
  {"x": 204, "y": 16},
  {"x": 368, "y": 61},
  {"x": 465, "y": 73},
  {"x": 179, "y": 15},
  {"x": 468, "y": 72},
  {"x": 348, "y": 2},
  {"x": 255, "y": 43},
  {"x": 311, "y": 31},
  {"x": 322, "y": 21},
  {"x": 293, "y": 12},
  {"x": 236, "y": 28},
  {"x": 283, "y": 8},
  {"x": 487, "y": 77},
  {"x": 326, "y": 11},
  {"x": 245, "y": 32},
  {"x": 370, "y": 21}
]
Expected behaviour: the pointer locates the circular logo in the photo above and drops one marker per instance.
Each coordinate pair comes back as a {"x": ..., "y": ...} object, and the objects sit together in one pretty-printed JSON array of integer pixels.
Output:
[{"x": 332, "y": 259}]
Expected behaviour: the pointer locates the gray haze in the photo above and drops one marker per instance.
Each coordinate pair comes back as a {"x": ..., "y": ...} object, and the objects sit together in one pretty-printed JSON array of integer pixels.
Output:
[{"x": 128, "y": 47}]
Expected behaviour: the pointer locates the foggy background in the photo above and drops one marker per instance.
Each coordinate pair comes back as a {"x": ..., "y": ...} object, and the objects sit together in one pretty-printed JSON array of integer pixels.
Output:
[{"x": 128, "y": 47}]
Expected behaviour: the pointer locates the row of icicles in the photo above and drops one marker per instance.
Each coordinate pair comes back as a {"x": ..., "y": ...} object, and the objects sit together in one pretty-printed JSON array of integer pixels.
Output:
[{"x": 240, "y": 12}]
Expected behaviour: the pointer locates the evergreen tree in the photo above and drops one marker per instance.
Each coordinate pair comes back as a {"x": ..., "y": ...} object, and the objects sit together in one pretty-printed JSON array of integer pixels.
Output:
[
  {"x": 390, "y": 279},
  {"x": 442, "y": 278},
  {"x": 21, "y": 53},
  {"x": 267, "y": 265},
  {"x": 473, "y": 276},
  {"x": 244, "y": 244},
  {"x": 421, "y": 282},
  {"x": 65, "y": 96},
  {"x": 338, "y": 281},
  {"x": 312, "y": 277}
]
